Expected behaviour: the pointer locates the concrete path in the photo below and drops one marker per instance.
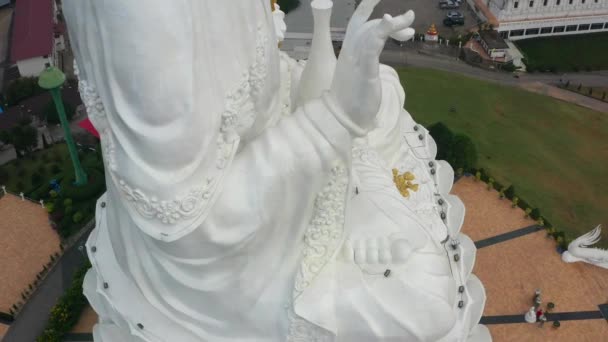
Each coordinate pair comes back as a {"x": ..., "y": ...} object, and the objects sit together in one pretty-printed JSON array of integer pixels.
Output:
[
  {"x": 566, "y": 95},
  {"x": 33, "y": 317}
]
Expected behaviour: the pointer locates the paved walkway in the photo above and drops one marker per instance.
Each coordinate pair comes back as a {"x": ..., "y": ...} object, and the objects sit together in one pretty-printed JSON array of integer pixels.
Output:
[
  {"x": 557, "y": 316},
  {"x": 507, "y": 236},
  {"x": 33, "y": 317}
]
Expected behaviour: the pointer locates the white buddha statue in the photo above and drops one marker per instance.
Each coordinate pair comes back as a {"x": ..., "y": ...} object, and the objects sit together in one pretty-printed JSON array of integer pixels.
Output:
[{"x": 240, "y": 207}]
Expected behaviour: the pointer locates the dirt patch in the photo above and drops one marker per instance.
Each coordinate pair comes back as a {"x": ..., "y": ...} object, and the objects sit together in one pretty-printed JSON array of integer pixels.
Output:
[
  {"x": 26, "y": 244},
  {"x": 487, "y": 215}
]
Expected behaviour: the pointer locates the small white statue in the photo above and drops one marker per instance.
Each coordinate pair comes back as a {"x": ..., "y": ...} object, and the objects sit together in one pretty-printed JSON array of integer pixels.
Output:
[
  {"x": 531, "y": 315},
  {"x": 42, "y": 203},
  {"x": 22, "y": 195},
  {"x": 4, "y": 189},
  {"x": 580, "y": 250}
]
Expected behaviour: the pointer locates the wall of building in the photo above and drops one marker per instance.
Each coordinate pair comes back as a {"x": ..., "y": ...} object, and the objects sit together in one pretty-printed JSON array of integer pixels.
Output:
[
  {"x": 517, "y": 10},
  {"x": 33, "y": 66},
  {"x": 552, "y": 27}
]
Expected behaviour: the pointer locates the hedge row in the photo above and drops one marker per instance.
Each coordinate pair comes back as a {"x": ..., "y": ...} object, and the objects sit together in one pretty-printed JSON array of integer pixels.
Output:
[
  {"x": 67, "y": 311},
  {"x": 533, "y": 212}
]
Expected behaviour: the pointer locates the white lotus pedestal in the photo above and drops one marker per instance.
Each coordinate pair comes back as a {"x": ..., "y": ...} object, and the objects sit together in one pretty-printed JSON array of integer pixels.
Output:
[{"x": 531, "y": 316}]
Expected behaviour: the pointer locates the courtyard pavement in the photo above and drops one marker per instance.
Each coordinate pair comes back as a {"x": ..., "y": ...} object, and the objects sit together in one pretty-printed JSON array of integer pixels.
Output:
[{"x": 514, "y": 258}]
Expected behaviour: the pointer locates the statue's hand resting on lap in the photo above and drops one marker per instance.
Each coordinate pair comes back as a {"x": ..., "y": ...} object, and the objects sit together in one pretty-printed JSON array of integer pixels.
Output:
[
  {"x": 356, "y": 87},
  {"x": 377, "y": 250}
]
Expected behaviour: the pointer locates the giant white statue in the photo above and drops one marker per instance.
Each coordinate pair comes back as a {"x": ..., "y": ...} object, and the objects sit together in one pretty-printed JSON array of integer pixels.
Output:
[{"x": 251, "y": 197}]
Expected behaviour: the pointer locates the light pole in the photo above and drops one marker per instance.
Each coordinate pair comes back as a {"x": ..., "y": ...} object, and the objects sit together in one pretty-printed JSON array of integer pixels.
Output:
[{"x": 52, "y": 79}]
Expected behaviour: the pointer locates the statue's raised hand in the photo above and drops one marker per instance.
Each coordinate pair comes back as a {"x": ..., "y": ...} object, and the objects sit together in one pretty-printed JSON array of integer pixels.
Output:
[{"x": 356, "y": 87}]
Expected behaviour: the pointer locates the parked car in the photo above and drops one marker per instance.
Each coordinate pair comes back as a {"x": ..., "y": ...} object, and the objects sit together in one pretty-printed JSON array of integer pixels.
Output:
[
  {"x": 453, "y": 21},
  {"x": 454, "y": 14},
  {"x": 449, "y": 4}
]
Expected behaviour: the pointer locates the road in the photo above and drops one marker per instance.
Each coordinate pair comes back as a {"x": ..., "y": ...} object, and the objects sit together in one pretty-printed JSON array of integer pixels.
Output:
[
  {"x": 33, "y": 317},
  {"x": 542, "y": 83}
]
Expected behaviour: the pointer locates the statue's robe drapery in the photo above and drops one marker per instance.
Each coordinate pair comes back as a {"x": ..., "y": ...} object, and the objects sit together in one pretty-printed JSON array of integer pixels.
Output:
[{"x": 226, "y": 207}]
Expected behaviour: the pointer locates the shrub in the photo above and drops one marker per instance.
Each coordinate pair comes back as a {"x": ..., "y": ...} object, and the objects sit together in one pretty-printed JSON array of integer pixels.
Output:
[
  {"x": 68, "y": 210},
  {"x": 510, "y": 192},
  {"x": 444, "y": 139},
  {"x": 515, "y": 201},
  {"x": 540, "y": 222},
  {"x": 67, "y": 311},
  {"x": 36, "y": 178},
  {"x": 77, "y": 217},
  {"x": 464, "y": 153},
  {"x": 477, "y": 175},
  {"x": 535, "y": 214},
  {"x": 55, "y": 168},
  {"x": 6, "y": 316},
  {"x": 50, "y": 207},
  {"x": 94, "y": 187},
  {"x": 3, "y": 176},
  {"x": 67, "y": 202},
  {"x": 459, "y": 171},
  {"x": 528, "y": 211},
  {"x": 50, "y": 112},
  {"x": 490, "y": 183}
]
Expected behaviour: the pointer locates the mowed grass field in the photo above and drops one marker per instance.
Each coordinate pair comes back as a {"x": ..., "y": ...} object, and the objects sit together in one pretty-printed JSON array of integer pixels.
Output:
[
  {"x": 565, "y": 53},
  {"x": 555, "y": 153}
]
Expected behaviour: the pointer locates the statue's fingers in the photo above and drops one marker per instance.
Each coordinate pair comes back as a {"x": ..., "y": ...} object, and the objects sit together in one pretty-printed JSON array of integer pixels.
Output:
[
  {"x": 390, "y": 25},
  {"x": 403, "y": 35},
  {"x": 361, "y": 15}
]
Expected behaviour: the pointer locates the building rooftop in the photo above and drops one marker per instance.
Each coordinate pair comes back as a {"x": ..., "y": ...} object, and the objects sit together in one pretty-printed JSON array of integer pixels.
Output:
[
  {"x": 33, "y": 29},
  {"x": 493, "y": 39}
]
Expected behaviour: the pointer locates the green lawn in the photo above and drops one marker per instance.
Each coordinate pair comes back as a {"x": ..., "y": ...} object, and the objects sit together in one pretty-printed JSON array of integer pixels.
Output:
[
  {"x": 555, "y": 153},
  {"x": 566, "y": 53}
]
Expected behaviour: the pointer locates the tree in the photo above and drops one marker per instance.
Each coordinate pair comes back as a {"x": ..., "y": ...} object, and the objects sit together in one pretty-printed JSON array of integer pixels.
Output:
[
  {"x": 288, "y": 5},
  {"x": 50, "y": 112},
  {"x": 444, "y": 139},
  {"x": 464, "y": 153},
  {"x": 21, "y": 89},
  {"x": 23, "y": 137}
]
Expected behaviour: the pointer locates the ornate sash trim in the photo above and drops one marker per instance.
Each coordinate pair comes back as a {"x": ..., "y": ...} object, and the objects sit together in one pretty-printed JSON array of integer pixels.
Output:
[{"x": 322, "y": 238}]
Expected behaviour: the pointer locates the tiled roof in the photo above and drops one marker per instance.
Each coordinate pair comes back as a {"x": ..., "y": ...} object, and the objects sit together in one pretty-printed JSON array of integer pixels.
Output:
[{"x": 33, "y": 29}]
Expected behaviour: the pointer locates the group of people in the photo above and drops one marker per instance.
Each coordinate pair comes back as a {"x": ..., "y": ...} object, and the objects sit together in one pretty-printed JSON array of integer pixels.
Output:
[{"x": 540, "y": 315}]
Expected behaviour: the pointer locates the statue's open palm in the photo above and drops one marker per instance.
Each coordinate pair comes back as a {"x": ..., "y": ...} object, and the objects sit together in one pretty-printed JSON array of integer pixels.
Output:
[{"x": 356, "y": 85}]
